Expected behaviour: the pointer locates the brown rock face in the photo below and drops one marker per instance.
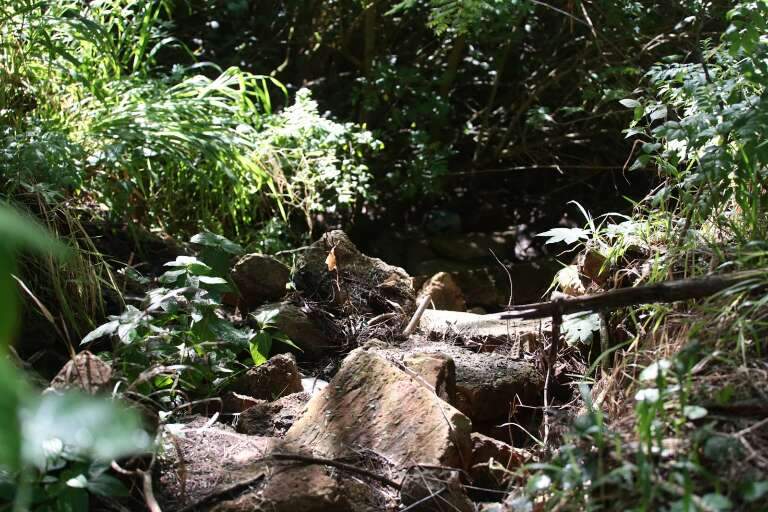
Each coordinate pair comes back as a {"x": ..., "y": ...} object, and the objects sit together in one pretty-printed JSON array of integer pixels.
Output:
[
  {"x": 277, "y": 377},
  {"x": 86, "y": 372},
  {"x": 272, "y": 418},
  {"x": 437, "y": 370},
  {"x": 292, "y": 321},
  {"x": 488, "y": 384},
  {"x": 356, "y": 282},
  {"x": 444, "y": 292},
  {"x": 260, "y": 278},
  {"x": 372, "y": 404},
  {"x": 484, "y": 449},
  {"x": 429, "y": 489},
  {"x": 199, "y": 458}
]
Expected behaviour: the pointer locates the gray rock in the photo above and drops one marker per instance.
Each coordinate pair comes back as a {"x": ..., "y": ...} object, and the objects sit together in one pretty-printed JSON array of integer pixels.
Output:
[
  {"x": 260, "y": 278},
  {"x": 300, "y": 329},
  {"x": 279, "y": 376}
]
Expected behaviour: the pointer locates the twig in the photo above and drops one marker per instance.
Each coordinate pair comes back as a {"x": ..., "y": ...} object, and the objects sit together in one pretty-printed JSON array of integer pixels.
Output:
[
  {"x": 336, "y": 464},
  {"x": 381, "y": 318},
  {"x": 417, "y": 315}
]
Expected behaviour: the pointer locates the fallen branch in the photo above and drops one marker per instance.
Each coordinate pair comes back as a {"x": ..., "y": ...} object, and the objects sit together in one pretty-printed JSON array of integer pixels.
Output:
[{"x": 670, "y": 291}]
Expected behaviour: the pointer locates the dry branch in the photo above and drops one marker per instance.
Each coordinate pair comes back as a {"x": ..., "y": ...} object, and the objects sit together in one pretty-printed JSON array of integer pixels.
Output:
[{"x": 669, "y": 291}]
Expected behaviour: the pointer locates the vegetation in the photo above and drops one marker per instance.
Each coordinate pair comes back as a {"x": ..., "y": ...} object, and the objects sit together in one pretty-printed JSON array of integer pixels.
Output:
[{"x": 123, "y": 121}]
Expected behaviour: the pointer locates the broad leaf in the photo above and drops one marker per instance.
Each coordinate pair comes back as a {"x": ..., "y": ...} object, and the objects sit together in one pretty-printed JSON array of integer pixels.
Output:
[
  {"x": 217, "y": 241},
  {"x": 82, "y": 425},
  {"x": 106, "y": 329},
  {"x": 578, "y": 327},
  {"x": 566, "y": 235}
]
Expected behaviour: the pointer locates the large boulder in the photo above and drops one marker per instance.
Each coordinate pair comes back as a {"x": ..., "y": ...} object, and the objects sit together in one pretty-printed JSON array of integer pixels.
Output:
[
  {"x": 207, "y": 466},
  {"x": 371, "y": 404},
  {"x": 199, "y": 456},
  {"x": 296, "y": 323},
  {"x": 278, "y": 377},
  {"x": 260, "y": 278},
  {"x": 332, "y": 270},
  {"x": 489, "y": 385},
  {"x": 486, "y": 329}
]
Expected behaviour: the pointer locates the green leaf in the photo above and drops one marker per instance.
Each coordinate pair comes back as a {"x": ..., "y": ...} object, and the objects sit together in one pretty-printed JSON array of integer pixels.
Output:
[
  {"x": 754, "y": 491},
  {"x": 265, "y": 316},
  {"x": 716, "y": 502},
  {"x": 192, "y": 264},
  {"x": 578, "y": 327},
  {"x": 653, "y": 370},
  {"x": 217, "y": 241},
  {"x": 260, "y": 346},
  {"x": 284, "y": 340},
  {"x": 12, "y": 390},
  {"x": 21, "y": 231},
  {"x": 629, "y": 103},
  {"x": 106, "y": 485},
  {"x": 106, "y": 329},
  {"x": 694, "y": 412},
  {"x": 85, "y": 426},
  {"x": 567, "y": 235}
]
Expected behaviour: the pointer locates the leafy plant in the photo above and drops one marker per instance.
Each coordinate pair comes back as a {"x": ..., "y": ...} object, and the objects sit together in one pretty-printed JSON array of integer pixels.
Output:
[
  {"x": 180, "y": 339},
  {"x": 54, "y": 449}
]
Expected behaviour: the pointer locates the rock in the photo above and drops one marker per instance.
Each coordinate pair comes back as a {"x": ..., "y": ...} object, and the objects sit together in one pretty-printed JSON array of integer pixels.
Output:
[
  {"x": 279, "y": 376},
  {"x": 474, "y": 246},
  {"x": 85, "y": 372},
  {"x": 437, "y": 370},
  {"x": 272, "y": 419},
  {"x": 198, "y": 457},
  {"x": 260, "y": 278},
  {"x": 429, "y": 489},
  {"x": 356, "y": 282},
  {"x": 480, "y": 288},
  {"x": 313, "y": 385},
  {"x": 288, "y": 486},
  {"x": 443, "y": 292},
  {"x": 210, "y": 467},
  {"x": 441, "y": 324},
  {"x": 299, "y": 327},
  {"x": 232, "y": 403},
  {"x": 487, "y": 384},
  {"x": 591, "y": 266},
  {"x": 371, "y": 404},
  {"x": 484, "y": 449}
]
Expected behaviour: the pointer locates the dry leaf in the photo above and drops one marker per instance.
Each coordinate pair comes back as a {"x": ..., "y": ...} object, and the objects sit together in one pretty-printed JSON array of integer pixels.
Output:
[{"x": 331, "y": 260}]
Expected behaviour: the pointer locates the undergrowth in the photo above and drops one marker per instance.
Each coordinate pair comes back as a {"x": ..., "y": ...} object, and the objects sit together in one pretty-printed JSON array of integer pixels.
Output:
[{"x": 677, "y": 422}]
